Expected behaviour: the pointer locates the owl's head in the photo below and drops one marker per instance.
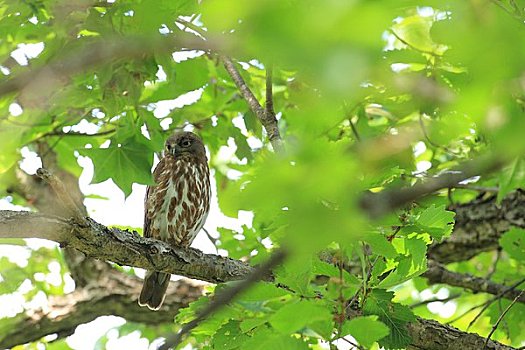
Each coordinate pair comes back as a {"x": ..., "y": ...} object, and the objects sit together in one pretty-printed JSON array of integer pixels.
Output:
[{"x": 184, "y": 142}]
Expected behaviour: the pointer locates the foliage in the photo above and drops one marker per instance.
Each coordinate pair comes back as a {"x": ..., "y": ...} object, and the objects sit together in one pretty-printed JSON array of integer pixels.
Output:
[{"x": 370, "y": 95}]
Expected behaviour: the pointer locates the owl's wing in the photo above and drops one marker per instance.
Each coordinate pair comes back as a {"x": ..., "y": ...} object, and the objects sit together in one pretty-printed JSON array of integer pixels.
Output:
[{"x": 149, "y": 200}]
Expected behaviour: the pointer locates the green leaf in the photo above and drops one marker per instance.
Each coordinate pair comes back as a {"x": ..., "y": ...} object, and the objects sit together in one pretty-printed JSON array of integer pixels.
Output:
[
  {"x": 395, "y": 316},
  {"x": 437, "y": 221},
  {"x": 296, "y": 275},
  {"x": 190, "y": 75},
  {"x": 293, "y": 317},
  {"x": 513, "y": 242},
  {"x": 365, "y": 329},
  {"x": 511, "y": 177},
  {"x": 125, "y": 164},
  {"x": 263, "y": 291},
  {"x": 380, "y": 245},
  {"x": 265, "y": 339},
  {"x": 415, "y": 31},
  {"x": 229, "y": 337}
]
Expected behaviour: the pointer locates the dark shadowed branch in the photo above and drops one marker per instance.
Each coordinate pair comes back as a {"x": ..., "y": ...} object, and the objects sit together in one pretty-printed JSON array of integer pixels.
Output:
[
  {"x": 78, "y": 59},
  {"x": 379, "y": 204}
]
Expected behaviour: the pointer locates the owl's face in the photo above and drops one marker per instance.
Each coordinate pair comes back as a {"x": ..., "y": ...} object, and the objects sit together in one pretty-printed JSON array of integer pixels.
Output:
[{"x": 184, "y": 143}]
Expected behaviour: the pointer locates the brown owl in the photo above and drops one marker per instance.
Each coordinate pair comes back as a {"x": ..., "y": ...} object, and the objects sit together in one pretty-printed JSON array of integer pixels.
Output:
[{"x": 177, "y": 206}]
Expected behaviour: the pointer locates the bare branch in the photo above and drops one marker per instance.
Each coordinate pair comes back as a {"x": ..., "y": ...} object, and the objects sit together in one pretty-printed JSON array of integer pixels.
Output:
[
  {"x": 268, "y": 120},
  {"x": 495, "y": 326}
]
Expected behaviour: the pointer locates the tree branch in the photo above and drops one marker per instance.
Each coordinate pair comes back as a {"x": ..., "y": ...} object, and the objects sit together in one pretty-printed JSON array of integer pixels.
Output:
[
  {"x": 384, "y": 202},
  {"x": 122, "y": 247},
  {"x": 128, "y": 248},
  {"x": 479, "y": 226},
  {"x": 436, "y": 273},
  {"x": 116, "y": 296},
  {"x": 56, "y": 73},
  {"x": 266, "y": 117},
  {"x": 432, "y": 335}
]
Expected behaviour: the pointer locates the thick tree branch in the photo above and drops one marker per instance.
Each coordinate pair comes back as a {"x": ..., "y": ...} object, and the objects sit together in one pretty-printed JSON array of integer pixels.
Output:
[
  {"x": 122, "y": 247},
  {"x": 432, "y": 335},
  {"x": 83, "y": 270},
  {"x": 479, "y": 226}
]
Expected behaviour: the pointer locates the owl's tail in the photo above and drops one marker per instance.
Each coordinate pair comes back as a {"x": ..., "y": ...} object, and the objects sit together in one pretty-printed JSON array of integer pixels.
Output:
[{"x": 154, "y": 289}]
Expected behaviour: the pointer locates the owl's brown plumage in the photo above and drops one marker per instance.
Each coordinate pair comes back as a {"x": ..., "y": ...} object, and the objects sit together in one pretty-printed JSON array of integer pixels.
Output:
[{"x": 177, "y": 206}]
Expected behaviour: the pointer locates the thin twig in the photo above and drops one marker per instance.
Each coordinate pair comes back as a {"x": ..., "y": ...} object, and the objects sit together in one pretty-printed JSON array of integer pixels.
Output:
[
  {"x": 74, "y": 133},
  {"x": 265, "y": 115},
  {"x": 477, "y": 188},
  {"x": 487, "y": 304},
  {"x": 494, "y": 265},
  {"x": 513, "y": 15},
  {"x": 268, "y": 106},
  {"x": 223, "y": 298},
  {"x": 435, "y": 300},
  {"x": 62, "y": 193},
  {"x": 432, "y": 143},
  {"x": 495, "y": 326}
]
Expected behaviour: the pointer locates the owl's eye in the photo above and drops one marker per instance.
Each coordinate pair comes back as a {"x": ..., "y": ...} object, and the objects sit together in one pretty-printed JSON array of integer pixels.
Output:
[
  {"x": 168, "y": 147},
  {"x": 185, "y": 143}
]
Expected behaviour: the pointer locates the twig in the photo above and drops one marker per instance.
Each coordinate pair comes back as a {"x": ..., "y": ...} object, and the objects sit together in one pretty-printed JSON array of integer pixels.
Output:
[
  {"x": 65, "y": 199},
  {"x": 513, "y": 15},
  {"x": 495, "y": 326},
  {"x": 265, "y": 115},
  {"x": 268, "y": 120},
  {"x": 494, "y": 265},
  {"x": 497, "y": 297},
  {"x": 268, "y": 106},
  {"x": 427, "y": 137},
  {"x": 223, "y": 298},
  {"x": 74, "y": 133},
  {"x": 477, "y": 188},
  {"x": 434, "y": 300}
]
